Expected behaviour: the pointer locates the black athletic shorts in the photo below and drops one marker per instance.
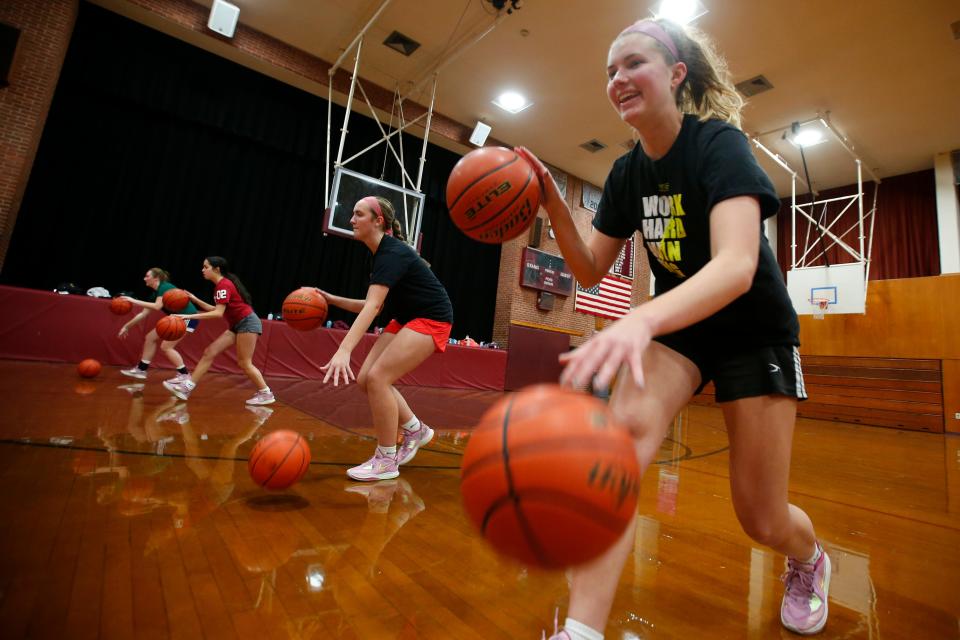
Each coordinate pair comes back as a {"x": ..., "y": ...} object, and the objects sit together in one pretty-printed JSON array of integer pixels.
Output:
[{"x": 740, "y": 371}]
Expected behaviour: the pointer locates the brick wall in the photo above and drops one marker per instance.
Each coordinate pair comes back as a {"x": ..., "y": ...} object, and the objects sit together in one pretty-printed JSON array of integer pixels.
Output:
[
  {"x": 45, "y": 28},
  {"x": 516, "y": 303}
]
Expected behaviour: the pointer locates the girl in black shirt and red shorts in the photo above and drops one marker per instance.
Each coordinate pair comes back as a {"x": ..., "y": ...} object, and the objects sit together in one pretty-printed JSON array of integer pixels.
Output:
[{"x": 422, "y": 316}]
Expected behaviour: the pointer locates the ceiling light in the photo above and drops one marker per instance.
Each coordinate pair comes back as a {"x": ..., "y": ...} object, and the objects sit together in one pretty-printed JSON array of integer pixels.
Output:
[
  {"x": 680, "y": 11},
  {"x": 807, "y": 138},
  {"x": 512, "y": 101},
  {"x": 805, "y": 135}
]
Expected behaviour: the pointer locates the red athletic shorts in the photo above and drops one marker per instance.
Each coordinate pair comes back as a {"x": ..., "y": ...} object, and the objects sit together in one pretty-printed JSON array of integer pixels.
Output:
[{"x": 439, "y": 331}]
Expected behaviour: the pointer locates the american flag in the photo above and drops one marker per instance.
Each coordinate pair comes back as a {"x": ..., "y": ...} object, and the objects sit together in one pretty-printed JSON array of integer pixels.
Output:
[{"x": 610, "y": 298}]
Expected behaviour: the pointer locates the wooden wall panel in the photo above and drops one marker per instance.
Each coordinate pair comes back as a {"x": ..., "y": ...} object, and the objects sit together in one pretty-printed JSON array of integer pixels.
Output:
[
  {"x": 907, "y": 318},
  {"x": 951, "y": 395}
]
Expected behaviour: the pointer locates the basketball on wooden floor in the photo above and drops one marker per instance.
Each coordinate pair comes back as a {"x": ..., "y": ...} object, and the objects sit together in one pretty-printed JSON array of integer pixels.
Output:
[
  {"x": 175, "y": 300},
  {"x": 493, "y": 194},
  {"x": 304, "y": 309},
  {"x": 88, "y": 368},
  {"x": 279, "y": 459},
  {"x": 171, "y": 327},
  {"x": 120, "y": 306},
  {"x": 549, "y": 477}
]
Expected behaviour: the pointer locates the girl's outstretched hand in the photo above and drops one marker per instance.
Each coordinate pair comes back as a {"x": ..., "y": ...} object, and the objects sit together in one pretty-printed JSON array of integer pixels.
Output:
[
  {"x": 598, "y": 359},
  {"x": 339, "y": 365}
]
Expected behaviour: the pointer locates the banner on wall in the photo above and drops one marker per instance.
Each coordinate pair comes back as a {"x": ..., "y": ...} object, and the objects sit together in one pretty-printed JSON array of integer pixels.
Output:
[{"x": 590, "y": 198}]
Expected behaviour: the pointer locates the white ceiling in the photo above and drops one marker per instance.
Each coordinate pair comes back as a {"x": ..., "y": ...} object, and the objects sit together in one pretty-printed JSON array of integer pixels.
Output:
[{"x": 887, "y": 71}]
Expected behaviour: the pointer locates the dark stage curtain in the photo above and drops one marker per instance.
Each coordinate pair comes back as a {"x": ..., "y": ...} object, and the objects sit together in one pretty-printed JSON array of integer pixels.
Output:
[
  {"x": 157, "y": 153},
  {"x": 905, "y": 238}
]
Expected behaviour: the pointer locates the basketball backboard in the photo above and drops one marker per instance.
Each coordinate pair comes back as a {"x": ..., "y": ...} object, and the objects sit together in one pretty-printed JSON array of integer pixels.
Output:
[{"x": 350, "y": 186}]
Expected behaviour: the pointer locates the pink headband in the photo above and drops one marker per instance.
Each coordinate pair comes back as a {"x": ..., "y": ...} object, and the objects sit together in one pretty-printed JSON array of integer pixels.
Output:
[
  {"x": 651, "y": 28},
  {"x": 374, "y": 204}
]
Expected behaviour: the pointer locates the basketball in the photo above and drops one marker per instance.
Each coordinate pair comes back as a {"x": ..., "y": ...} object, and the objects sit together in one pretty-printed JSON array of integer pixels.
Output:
[
  {"x": 279, "y": 459},
  {"x": 176, "y": 300},
  {"x": 120, "y": 306},
  {"x": 88, "y": 368},
  {"x": 171, "y": 327},
  {"x": 549, "y": 477},
  {"x": 304, "y": 309},
  {"x": 493, "y": 195}
]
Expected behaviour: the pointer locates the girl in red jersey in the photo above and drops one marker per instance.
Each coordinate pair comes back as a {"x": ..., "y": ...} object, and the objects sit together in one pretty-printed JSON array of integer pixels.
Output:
[
  {"x": 233, "y": 305},
  {"x": 422, "y": 316}
]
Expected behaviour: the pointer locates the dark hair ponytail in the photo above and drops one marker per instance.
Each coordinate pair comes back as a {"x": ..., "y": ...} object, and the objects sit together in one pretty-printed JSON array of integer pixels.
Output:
[
  {"x": 221, "y": 263},
  {"x": 390, "y": 218}
]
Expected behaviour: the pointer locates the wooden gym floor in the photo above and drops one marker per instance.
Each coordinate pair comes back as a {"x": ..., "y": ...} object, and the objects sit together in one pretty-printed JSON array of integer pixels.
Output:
[{"x": 128, "y": 515}]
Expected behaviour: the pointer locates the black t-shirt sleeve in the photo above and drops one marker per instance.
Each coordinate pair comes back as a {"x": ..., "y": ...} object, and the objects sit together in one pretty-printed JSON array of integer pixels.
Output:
[
  {"x": 728, "y": 170},
  {"x": 613, "y": 218},
  {"x": 388, "y": 267}
]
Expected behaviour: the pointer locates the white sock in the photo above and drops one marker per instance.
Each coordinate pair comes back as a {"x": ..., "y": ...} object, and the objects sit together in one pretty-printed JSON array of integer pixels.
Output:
[
  {"x": 387, "y": 451},
  {"x": 264, "y": 390},
  {"x": 410, "y": 424},
  {"x": 579, "y": 631}
]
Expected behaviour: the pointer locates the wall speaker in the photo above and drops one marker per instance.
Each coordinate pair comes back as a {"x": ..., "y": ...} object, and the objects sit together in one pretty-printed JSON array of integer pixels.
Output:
[
  {"x": 223, "y": 18},
  {"x": 9, "y": 38},
  {"x": 479, "y": 135},
  {"x": 545, "y": 300},
  {"x": 536, "y": 231}
]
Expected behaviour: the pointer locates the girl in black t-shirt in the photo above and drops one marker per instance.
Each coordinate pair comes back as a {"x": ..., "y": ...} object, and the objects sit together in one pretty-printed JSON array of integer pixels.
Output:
[
  {"x": 422, "y": 318},
  {"x": 693, "y": 190}
]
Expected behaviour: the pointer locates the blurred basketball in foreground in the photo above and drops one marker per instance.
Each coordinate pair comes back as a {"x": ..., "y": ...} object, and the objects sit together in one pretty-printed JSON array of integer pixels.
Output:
[{"x": 549, "y": 477}]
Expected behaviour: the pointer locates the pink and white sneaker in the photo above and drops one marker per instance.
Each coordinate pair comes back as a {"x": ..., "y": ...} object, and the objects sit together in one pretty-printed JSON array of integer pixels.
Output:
[
  {"x": 180, "y": 377},
  {"x": 265, "y": 396},
  {"x": 134, "y": 372},
  {"x": 180, "y": 389},
  {"x": 379, "y": 467},
  {"x": 412, "y": 441},
  {"x": 804, "y": 606}
]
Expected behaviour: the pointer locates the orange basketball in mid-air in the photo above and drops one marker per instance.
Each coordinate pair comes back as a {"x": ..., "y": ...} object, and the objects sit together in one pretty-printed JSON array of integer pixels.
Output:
[
  {"x": 279, "y": 459},
  {"x": 120, "y": 306},
  {"x": 171, "y": 327},
  {"x": 304, "y": 309},
  {"x": 549, "y": 477},
  {"x": 88, "y": 368},
  {"x": 493, "y": 194},
  {"x": 176, "y": 300}
]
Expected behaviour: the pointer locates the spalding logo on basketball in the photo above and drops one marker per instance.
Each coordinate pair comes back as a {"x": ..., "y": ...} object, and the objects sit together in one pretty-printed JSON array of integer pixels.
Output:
[{"x": 493, "y": 195}]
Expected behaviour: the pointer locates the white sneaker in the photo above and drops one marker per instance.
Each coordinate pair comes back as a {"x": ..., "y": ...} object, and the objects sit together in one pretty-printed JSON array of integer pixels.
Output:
[
  {"x": 180, "y": 389},
  {"x": 134, "y": 372},
  {"x": 180, "y": 377},
  {"x": 262, "y": 397}
]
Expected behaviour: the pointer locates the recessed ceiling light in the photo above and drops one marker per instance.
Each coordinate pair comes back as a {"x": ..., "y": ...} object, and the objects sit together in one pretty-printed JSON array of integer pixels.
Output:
[
  {"x": 808, "y": 135},
  {"x": 680, "y": 11},
  {"x": 512, "y": 101}
]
